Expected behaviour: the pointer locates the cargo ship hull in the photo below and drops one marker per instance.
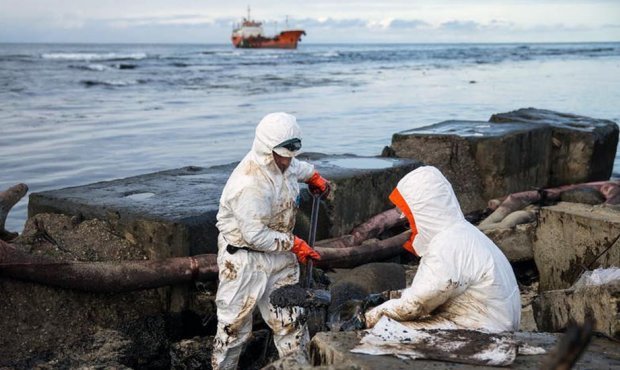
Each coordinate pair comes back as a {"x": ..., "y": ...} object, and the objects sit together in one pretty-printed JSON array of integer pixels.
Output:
[{"x": 285, "y": 40}]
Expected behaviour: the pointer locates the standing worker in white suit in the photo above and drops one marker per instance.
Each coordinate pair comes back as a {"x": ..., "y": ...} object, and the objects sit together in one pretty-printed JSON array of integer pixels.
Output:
[
  {"x": 463, "y": 281},
  {"x": 258, "y": 252}
]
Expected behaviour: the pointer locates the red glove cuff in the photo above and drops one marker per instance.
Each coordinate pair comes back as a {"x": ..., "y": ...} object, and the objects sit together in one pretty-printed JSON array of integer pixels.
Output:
[
  {"x": 304, "y": 251},
  {"x": 317, "y": 183}
]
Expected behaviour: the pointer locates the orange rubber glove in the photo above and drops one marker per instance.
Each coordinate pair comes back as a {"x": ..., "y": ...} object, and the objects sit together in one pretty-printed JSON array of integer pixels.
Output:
[
  {"x": 318, "y": 185},
  {"x": 303, "y": 251}
]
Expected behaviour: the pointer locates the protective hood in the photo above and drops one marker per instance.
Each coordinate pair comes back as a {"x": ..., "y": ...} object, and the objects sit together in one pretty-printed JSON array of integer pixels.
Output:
[
  {"x": 427, "y": 199},
  {"x": 274, "y": 129}
]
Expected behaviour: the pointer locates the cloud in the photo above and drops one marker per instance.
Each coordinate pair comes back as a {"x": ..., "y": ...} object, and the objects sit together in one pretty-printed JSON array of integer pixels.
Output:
[
  {"x": 173, "y": 20},
  {"x": 408, "y": 24},
  {"x": 460, "y": 26},
  {"x": 329, "y": 22}
]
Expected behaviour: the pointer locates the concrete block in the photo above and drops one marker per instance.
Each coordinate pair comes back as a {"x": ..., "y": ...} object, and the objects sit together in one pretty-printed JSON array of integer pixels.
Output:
[
  {"x": 166, "y": 212},
  {"x": 172, "y": 213},
  {"x": 516, "y": 242},
  {"x": 335, "y": 348},
  {"x": 583, "y": 148},
  {"x": 569, "y": 237},
  {"x": 528, "y": 293},
  {"x": 555, "y": 309},
  {"x": 482, "y": 160}
]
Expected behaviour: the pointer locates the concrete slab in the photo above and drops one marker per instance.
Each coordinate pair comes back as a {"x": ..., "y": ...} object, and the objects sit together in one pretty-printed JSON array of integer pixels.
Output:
[
  {"x": 482, "y": 160},
  {"x": 172, "y": 213},
  {"x": 334, "y": 348},
  {"x": 535, "y": 148},
  {"x": 568, "y": 239},
  {"x": 555, "y": 309},
  {"x": 583, "y": 148}
]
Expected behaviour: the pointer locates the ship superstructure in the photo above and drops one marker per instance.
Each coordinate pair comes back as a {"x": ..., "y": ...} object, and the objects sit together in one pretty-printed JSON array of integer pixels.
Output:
[{"x": 249, "y": 34}]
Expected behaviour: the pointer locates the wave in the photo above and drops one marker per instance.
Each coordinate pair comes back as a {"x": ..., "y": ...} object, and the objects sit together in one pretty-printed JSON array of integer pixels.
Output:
[
  {"x": 330, "y": 54},
  {"x": 94, "y": 56},
  {"x": 111, "y": 83},
  {"x": 124, "y": 66},
  {"x": 89, "y": 67},
  {"x": 102, "y": 67},
  {"x": 16, "y": 57}
]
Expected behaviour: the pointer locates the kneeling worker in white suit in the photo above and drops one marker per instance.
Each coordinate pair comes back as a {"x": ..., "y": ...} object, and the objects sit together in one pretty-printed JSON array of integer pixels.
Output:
[
  {"x": 257, "y": 251},
  {"x": 463, "y": 281}
]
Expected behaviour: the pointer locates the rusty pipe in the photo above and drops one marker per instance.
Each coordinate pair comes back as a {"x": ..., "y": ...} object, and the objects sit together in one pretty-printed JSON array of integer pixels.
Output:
[
  {"x": 123, "y": 276},
  {"x": 369, "y": 229},
  {"x": 516, "y": 201},
  {"x": 109, "y": 277},
  {"x": 371, "y": 250}
]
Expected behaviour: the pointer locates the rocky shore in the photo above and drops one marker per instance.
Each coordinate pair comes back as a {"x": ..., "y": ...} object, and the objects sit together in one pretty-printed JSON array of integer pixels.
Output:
[{"x": 559, "y": 235}]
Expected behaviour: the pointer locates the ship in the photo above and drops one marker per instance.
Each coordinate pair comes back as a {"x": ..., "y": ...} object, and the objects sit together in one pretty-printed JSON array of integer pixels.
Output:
[{"x": 249, "y": 34}]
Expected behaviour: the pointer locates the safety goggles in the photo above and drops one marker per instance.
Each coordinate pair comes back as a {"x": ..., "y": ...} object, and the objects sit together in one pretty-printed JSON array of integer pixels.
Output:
[{"x": 292, "y": 144}]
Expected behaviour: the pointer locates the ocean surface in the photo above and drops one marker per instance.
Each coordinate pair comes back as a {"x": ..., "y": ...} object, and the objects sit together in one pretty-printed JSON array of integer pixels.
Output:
[{"x": 75, "y": 114}]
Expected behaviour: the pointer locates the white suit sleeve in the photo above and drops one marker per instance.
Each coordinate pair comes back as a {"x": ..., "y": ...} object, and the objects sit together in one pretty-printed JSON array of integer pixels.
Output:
[
  {"x": 437, "y": 280},
  {"x": 303, "y": 170},
  {"x": 252, "y": 209}
]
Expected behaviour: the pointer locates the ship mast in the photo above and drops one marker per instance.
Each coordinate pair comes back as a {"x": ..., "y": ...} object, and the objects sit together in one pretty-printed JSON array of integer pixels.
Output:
[{"x": 248, "y": 13}]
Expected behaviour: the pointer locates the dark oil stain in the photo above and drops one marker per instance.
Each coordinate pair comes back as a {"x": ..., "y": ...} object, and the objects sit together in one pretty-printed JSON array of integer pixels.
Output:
[
  {"x": 232, "y": 330},
  {"x": 230, "y": 270},
  {"x": 284, "y": 218}
]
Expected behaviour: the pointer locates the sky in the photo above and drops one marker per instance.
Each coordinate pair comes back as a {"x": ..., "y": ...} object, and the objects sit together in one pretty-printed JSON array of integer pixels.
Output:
[{"x": 344, "y": 21}]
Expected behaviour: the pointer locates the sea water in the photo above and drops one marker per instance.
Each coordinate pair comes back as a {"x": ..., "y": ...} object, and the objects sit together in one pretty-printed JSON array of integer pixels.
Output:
[{"x": 74, "y": 114}]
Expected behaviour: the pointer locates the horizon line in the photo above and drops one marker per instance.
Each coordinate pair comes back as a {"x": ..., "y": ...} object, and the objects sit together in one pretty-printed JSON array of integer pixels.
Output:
[{"x": 316, "y": 43}]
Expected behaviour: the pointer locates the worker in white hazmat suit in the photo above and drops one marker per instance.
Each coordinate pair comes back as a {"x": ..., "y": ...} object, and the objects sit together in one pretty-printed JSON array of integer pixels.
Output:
[
  {"x": 257, "y": 251},
  {"x": 463, "y": 281}
]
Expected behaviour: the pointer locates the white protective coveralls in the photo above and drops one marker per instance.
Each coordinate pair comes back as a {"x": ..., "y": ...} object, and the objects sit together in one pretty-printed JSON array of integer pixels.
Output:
[
  {"x": 463, "y": 279},
  {"x": 257, "y": 212}
]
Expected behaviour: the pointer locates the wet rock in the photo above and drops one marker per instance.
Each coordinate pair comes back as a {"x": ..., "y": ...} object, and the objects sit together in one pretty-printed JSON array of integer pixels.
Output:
[
  {"x": 569, "y": 239},
  {"x": 361, "y": 281},
  {"x": 555, "y": 310},
  {"x": 482, "y": 160},
  {"x": 583, "y": 149},
  {"x": 516, "y": 242}
]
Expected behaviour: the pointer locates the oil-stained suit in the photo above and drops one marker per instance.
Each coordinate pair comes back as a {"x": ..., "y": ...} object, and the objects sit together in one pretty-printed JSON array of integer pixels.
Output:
[
  {"x": 257, "y": 214},
  {"x": 463, "y": 281}
]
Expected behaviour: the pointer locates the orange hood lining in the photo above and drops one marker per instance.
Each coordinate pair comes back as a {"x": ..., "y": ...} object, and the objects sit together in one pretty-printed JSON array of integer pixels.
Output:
[{"x": 398, "y": 200}]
